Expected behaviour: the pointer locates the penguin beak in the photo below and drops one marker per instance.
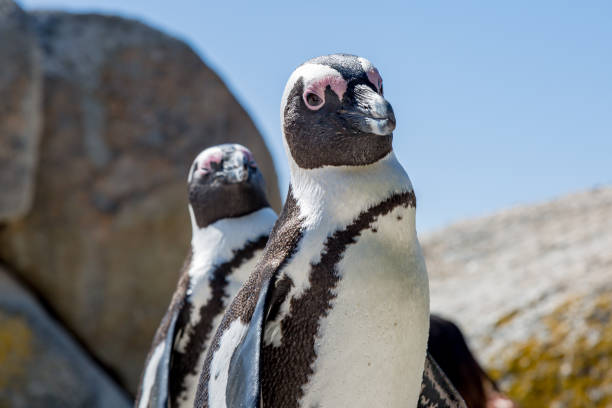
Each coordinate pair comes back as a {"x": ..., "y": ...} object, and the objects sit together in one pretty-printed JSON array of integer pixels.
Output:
[
  {"x": 237, "y": 167},
  {"x": 237, "y": 174},
  {"x": 370, "y": 112}
]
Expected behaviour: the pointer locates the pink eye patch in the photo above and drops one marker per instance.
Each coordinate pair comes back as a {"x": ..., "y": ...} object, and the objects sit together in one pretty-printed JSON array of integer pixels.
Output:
[
  {"x": 318, "y": 86},
  {"x": 215, "y": 156},
  {"x": 375, "y": 78}
]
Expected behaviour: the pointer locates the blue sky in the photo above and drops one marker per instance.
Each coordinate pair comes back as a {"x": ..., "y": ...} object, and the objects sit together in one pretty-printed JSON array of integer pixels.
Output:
[{"x": 498, "y": 103}]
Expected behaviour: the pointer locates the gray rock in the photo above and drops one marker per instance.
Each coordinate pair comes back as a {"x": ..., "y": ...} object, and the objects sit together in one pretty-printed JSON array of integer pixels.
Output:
[
  {"x": 40, "y": 365},
  {"x": 532, "y": 289},
  {"x": 126, "y": 109},
  {"x": 20, "y": 111}
]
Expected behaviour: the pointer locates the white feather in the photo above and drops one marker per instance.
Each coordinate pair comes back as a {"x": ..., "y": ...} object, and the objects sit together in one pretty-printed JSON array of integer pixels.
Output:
[{"x": 365, "y": 64}]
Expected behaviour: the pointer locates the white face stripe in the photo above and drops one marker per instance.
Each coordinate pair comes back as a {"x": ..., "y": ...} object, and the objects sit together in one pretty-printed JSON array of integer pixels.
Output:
[
  {"x": 199, "y": 158},
  {"x": 309, "y": 74},
  {"x": 372, "y": 72},
  {"x": 365, "y": 64}
]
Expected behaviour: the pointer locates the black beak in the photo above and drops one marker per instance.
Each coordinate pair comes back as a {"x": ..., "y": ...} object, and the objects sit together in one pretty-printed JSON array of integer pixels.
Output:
[
  {"x": 236, "y": 174},
  {"x": 370, "y": 112},
  {"x": 236, "y": 167}
]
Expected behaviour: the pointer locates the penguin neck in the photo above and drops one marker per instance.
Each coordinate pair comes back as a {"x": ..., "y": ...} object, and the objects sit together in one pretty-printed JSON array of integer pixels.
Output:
[
  {"x": 217, "y": 242},
  {"x": 335, "y": 195}
]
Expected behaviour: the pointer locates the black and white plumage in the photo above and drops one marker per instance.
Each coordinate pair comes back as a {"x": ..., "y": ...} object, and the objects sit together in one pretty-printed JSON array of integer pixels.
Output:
[
  {"x": 231, "y": 220},
  {"x": 337, "y": 312}
]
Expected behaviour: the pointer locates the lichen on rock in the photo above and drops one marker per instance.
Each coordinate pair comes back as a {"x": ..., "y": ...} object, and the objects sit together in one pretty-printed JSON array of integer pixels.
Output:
[
  {"x": 40, "y": 363},
  {"x": 15, "y": 348},
  {"x": 570, "y": 363},
  {"x": 531, "y": 287}
]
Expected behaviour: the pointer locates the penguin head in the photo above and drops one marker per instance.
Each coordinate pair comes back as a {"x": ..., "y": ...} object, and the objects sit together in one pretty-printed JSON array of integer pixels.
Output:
[
  {"x": 333, "y": 113},
  {"x": 224, "y": 181}
]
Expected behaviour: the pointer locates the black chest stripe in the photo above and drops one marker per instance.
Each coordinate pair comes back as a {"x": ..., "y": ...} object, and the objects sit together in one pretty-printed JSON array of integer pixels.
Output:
[
  {"x": 286, "y": 369},
  {"x": 183, "y": 364}
]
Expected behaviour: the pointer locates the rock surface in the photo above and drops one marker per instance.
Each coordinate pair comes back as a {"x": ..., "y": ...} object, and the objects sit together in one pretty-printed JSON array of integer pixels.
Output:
[
  {"x": 40, "y": 365},
  {"x": 532, "y": 289},
  {"x": 126, "y": 108},
  {"x": 20, "y": 113}
]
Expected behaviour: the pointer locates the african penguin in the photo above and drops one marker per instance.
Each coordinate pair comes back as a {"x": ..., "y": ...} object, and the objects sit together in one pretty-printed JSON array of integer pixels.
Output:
[
  {"x": 231, "y": 220},
  {"x": 336, "y": 313}
]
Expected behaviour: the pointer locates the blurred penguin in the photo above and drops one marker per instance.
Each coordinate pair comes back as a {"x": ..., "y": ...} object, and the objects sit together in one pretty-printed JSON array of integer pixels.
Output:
[{"x": 231, "y": 220}]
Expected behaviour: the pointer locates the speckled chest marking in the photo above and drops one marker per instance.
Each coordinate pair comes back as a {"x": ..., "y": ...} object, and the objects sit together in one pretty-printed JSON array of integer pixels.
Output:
[
  {"x": 199, "y": 320},
  {"x": 225, "y": 253},
  {"x": 351, "y": 312}
]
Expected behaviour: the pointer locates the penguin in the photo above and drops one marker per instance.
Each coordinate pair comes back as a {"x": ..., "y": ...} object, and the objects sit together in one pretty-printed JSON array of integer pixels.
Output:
[
  {"x": 336, "y": 313},
  {"x": 231, "y": 220}
]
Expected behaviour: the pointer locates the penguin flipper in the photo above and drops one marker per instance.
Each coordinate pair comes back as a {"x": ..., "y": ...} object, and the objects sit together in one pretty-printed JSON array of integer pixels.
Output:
[
  {"x": 160, "y": 391},
  {"x": 436, "y": 389},
  {"x": 153, "y": 391},
  {"x": 243, "y": 384}
]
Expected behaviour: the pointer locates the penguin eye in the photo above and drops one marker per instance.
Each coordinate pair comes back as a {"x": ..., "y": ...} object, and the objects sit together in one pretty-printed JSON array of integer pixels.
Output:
[{"x": 313, "y": 101}]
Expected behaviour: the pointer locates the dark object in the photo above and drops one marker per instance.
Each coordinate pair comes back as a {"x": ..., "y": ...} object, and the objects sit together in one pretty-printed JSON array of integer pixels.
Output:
[{"x": 448, "y": 348}]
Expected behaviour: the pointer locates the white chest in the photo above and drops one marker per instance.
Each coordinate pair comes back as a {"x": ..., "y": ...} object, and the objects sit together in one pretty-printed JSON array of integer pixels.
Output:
[{"x": 371, "y": 346}]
